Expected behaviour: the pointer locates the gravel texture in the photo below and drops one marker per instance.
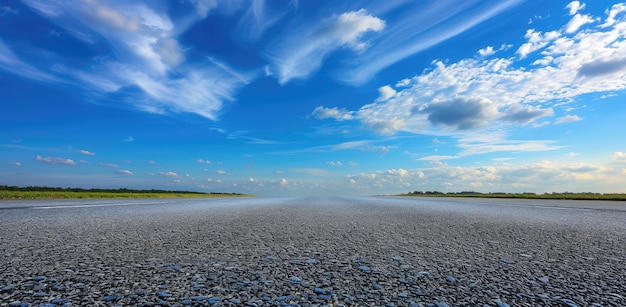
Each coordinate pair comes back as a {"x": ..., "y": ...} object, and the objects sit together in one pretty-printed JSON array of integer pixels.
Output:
[{"x": 311, "y": 252}]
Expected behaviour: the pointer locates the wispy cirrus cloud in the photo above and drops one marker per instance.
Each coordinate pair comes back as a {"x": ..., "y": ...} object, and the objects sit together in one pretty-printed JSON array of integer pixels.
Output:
[
  {"x": 11, "y": 63},
  {"x": 145, "y": 50},
  {"x": 304, "y": 48},
  {"x": 7, "y": 10}
]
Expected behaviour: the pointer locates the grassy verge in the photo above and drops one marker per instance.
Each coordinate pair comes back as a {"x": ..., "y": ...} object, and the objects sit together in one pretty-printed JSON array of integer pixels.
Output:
[
  {"x": 572, "y": 196},
  {"x": 56, "y": 193}
]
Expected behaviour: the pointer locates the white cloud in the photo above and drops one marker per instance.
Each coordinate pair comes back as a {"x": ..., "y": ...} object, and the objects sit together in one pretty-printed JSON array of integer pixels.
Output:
[
  {"x": 619, "y": 157},
  {"x": 576, "y": 22},
  {"x": 334, "y": 163},
  {"x": 305, "y": 48},
  {"x": 251, "y": 180},
  {"x": 479, "y": 96},
  {"x": 54, "y": 161},
  {"x": 386, "y": 92},
  {"x": 487, "y": 51},
  {"x": 284, "y": 182},
  {"x": 15, "y": 163},
  {"x": 204, "y": 161},
  {"x": 400, "y": 172},
  {"x": 615, "y": 10},
  {"x": 203, "y": 7},
  {"x": 128, "y": 139},
  {"x": 568, "y": 119},
  {"x": 539, "y": 177},
  {"x": 535, "y": 41},
  {"x": 257, "y": 20},
  {"x": 108, "y": 164},
  {"x": 169, "y": 174},
  {"x": 221, "y": 172},
  {"x": 321, "y": 112},
  {"x": 424, "y": 25},
  {"x": 575, "y": 6},
  {"x": 86, "y": 152},
  {"x": 12, "y": 64},
  {"x": 144, "y": 50},
  {"x": 124, "y": 172}
]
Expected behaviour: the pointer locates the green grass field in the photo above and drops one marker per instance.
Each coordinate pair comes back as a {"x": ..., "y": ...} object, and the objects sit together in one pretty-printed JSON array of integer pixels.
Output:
[
  {"x": 16, "y": 193},
  {"x": 572, "y": 196}
]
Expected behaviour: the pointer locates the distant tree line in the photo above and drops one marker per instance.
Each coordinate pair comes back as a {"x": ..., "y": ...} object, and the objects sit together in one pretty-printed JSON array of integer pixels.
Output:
[
  {"x": 553, "y": 195},
  {"x": 120, "y": 190}
]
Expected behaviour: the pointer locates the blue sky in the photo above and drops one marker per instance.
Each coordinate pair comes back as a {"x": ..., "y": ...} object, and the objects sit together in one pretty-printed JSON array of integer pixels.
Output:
[{"x": 314, "y": 97}]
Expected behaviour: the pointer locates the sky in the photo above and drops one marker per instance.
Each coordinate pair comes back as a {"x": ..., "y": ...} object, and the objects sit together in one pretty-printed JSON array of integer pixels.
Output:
[{"x": 285, "y": 98}]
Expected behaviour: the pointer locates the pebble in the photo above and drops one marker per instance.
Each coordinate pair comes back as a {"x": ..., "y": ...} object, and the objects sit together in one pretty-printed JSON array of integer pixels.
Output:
[
  {"x": 111, "y": 298},
  {"x": 294, "y": 280},
  {"x": 365, "y": 268},
  {"x": 244, "y": 261}
]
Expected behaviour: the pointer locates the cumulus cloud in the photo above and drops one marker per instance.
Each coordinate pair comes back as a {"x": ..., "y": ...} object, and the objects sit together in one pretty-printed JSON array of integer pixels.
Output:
[
  {"x": 54, "y": 161},
  {"x": 522, "y": 114},
  {"x": 284, "y": 182},
  {"x": 476, "y": 96},
  {"x": 487, "y": 51},
  {"x": 461, "y": 113},
  {"x": 334, "y": 163},
  {"x": 169, "y": 174},
  {"x": 305, "y": 48},
  {"x": 612, "y": 14},
  {"x": 221, "y": 172},
  {"x": 539, "y": 177},
  {"x": 575, "y": 6},
  {"x": 386, "y": 92},
  {"x": 536, "y": 40},
  {"x": 108, "y": 164},
  {"x": 86, "y": 152},
  {"x": 322, "y": 112},
  {"x": 568, "y": 119},
  {"x": 609, "y": 67},
  {"x": 124, "y": 172},
  {"x": 15, "y": 163},
  {"x": 576, "y": 22},
  {"x": 204, "y": 161},
  {"x": 619, "y": 157}
]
